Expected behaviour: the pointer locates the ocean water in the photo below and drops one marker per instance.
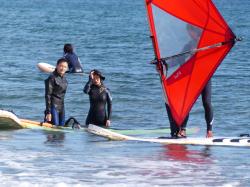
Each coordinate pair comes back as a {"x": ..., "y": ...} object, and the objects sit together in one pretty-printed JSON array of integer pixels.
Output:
[{"x": 112, "y": 35}]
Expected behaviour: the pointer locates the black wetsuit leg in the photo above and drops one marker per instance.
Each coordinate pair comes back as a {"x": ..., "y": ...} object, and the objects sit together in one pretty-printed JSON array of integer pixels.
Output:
[
  {"x": 173, "y": 126},
  {"x": 206, "y": 100},
  {"x": 184, "y": 124},
  {"x": 97, "y": 118}
]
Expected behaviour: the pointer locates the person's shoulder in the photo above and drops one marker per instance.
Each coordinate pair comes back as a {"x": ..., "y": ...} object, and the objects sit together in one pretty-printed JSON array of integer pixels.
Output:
[
  {"x": 107, "y": 90},
  {"x": 66, "y": 56},
  {"x": 50, "y": 79},
  {"x": 108, "y": 93},
  {"x": 51, "y": 76},
  {"x": 70, "y": 54},
  {"x": 75, "y": 55}
]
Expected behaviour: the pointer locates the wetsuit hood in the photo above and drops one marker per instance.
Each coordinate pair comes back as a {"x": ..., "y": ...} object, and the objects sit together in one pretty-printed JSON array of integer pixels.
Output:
[{"x": 97, "y": 72}]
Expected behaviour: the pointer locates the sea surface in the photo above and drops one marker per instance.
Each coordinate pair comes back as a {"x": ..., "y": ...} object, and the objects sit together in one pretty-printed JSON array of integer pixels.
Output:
[{"x": 113, "y": 36}]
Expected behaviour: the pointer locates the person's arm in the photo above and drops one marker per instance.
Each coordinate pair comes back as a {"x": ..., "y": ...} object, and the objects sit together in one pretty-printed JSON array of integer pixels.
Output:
[
  {"x": 181, "y": 59},
  {"x": 88, "y": 85},
  {"x": 49, "y": 84},
  {"x": 109, "y": 103},
  {"x": 66, "y": 56},
  {"x": 80, "y": 64}
]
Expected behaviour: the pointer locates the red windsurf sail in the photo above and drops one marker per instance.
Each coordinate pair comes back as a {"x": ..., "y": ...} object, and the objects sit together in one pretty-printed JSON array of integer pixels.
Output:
[{"x": 190, "y": 39}]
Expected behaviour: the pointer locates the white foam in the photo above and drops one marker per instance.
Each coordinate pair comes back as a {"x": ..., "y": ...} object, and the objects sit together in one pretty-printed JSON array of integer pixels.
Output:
[{"x": 233, "y": 184}]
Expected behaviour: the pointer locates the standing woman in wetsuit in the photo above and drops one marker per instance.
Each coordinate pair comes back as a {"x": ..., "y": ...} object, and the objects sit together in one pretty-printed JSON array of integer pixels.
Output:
[
  {"x": 55, "y": 89},
  {"x": 100, "y": 100}
]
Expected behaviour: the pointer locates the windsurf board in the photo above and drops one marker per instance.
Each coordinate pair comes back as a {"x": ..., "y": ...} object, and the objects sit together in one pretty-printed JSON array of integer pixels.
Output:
[{"x": 217, "y": 141}]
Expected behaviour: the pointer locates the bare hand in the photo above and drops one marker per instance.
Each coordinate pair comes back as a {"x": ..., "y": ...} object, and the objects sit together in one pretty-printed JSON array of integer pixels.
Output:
[
  {"x": 108, "y": 122},
  {"x": 91, "y": 75},
  {"x": 48, "y": 117},
  {"x": 209, "y": 134},
  {"x": 157, "y": 68}
]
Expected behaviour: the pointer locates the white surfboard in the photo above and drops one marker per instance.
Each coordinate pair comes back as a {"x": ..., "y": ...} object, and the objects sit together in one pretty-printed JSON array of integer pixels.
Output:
[
  {"x": 48, "y": 68},
  {"x": 8, "y": 120},
  {"x": 45, "y": 67},
  {"x": 219, "y": 141}
]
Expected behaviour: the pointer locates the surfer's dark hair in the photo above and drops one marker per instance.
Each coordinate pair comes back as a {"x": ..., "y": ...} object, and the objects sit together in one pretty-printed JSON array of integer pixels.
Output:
[
  {"x": 68, "y": 48},
  {"x": 61, "y": 60}
]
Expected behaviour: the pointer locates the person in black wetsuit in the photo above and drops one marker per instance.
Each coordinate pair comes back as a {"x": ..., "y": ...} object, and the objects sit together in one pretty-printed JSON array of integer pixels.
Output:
[
  {"x": 73, "y": 60},
  {"x": 55, "y": 89},
  {"x": 194, "y": 33},
  {"x": 100, "y": 100}
]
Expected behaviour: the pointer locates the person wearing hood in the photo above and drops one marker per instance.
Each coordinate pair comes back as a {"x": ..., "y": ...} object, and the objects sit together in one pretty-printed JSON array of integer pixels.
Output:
[
  {"x": 100, "y": 100},
  {"x": 55, "y": 89}
]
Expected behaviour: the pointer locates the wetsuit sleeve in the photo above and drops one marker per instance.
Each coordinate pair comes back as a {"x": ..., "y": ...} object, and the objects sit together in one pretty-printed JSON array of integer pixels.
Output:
[
  {"x": 49, "y": 84},
  {"x": 109, "y": 102},
  {"x": 66, "y": 56},
  {"x": 87, "y": 87}
]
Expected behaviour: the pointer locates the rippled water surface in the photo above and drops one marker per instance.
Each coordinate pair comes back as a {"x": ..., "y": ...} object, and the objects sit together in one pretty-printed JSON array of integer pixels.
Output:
[{"x": 112, "y": 35}]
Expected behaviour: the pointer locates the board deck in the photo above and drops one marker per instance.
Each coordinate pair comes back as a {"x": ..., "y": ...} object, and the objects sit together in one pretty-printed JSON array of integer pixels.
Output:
[{"x": 218, "y": 141}]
